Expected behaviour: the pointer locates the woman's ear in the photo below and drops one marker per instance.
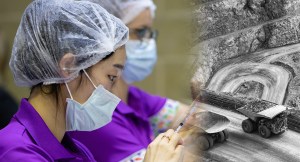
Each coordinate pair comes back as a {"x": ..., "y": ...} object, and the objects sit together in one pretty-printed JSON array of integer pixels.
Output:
[{"x": 66, "y": 63}]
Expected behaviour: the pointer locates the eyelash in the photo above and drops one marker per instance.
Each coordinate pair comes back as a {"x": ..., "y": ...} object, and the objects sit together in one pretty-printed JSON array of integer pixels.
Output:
[{"x": 112, "y": 78}]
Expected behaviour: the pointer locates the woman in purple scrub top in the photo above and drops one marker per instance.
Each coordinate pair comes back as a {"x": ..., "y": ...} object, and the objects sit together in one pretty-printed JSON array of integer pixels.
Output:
[
  {"x": 71, "y": 53},
  {"x": 140, "y": 116}
]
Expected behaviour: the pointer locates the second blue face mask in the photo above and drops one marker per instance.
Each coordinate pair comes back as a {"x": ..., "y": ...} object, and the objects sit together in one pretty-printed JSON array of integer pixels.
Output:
[{"x": 141, "y": 59}]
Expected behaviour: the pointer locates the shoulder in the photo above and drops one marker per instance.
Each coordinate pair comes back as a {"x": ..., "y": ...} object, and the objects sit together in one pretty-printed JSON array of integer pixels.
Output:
[
  {"x": 137, "y": 93},
  {"x": 19, "y": 152},
  {"x": 15, "y": 145},
  {"x": 12, "y": 134},
  {"x": 16, "y": 149},
  {"x": 148, "y": 103},
  {"x": 136, "y": 90}
]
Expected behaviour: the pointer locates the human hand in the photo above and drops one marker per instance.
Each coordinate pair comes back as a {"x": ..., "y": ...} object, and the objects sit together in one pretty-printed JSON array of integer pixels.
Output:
[{"x": 165, "y": 147}]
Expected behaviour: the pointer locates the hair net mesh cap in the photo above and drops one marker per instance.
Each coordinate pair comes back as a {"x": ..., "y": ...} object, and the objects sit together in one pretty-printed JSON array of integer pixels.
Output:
[
  {"x": 126, "y": 10},
  {"x": 51, "y": 28}
]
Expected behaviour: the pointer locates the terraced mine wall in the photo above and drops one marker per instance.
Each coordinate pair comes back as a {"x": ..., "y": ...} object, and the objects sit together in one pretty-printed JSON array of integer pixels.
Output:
[
  {"x": 248, "y": 33},
  {"x": 248, "y": 30}
]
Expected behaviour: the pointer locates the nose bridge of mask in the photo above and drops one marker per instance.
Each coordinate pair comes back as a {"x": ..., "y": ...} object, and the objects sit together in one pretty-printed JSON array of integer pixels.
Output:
[
  {"x": 138, "y": 49},
  {"x": 69, "y": 91},
  {"x": 146, "y": 43}
]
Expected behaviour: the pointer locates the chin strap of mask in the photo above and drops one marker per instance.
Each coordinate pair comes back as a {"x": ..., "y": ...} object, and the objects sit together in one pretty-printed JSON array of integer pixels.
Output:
[
  {"x": 69, "y": 90},
  {"x": 89, "y": 78}
]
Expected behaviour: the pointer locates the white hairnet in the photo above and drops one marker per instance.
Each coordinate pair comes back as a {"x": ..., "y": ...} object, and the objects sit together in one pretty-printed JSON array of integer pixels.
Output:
[
  {"x": 51, "y": 28},
  {"x": 126, "y": 10}
]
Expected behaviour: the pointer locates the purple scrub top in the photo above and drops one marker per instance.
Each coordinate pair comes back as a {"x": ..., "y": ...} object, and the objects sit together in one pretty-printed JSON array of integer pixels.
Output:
[
  {"x": 27, "y": 138},
  {"x": 128, "y": 132}
]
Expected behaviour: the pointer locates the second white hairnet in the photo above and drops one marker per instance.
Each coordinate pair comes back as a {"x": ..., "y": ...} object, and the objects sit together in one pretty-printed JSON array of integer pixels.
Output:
[
  {"x": 51, "y": 28},
  {"x": 126, "y": 10}
]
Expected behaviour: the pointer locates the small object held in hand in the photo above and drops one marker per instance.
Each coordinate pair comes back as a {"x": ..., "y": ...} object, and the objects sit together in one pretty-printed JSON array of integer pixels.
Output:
[
  {"x": 164, "y": 136},
  {"x": 192, "y": 110}
]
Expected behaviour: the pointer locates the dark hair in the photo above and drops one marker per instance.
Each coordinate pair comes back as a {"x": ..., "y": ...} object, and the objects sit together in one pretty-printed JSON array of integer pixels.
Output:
[
  {"x": 53, "y": 90},
  {"x": 107, "y": 56}
]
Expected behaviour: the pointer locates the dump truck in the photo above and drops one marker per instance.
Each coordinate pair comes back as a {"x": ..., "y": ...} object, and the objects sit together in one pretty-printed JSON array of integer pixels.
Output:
[
  {"x": 211, "y": 129},
  {"x": 266, "y": 117}
]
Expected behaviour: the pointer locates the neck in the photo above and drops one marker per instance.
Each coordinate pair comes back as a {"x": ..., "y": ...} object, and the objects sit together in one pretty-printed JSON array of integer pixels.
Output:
[{"x": 52, "y": 114}]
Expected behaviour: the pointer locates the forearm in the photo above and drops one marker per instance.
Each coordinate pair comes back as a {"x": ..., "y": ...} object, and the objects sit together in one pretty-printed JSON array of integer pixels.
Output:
[
  {"x": 181, "y": 113},
  {"x": 162, "y": 121}
]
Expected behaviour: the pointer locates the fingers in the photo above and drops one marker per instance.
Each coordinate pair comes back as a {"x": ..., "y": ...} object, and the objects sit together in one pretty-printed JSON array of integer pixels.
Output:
[
  {"x": 180, "y": 142},
  {"x": 175, "y": 140},
  {"x": 167, "y": 136},
  {"x": 165, "y": 147},
  {"x": 153, "y": 147},
  {"x": 179, "y": 149},
  {"x": 158, "y": 139},
  {"x": 179, "y": 152},
  {"x": 171, "y": 138}
]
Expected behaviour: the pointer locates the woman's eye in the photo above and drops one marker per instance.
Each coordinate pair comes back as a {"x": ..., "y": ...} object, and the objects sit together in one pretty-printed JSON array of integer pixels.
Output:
[{"x": 112, "y": 78}]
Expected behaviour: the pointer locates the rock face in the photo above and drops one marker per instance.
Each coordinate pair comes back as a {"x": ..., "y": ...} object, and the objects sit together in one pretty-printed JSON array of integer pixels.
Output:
[
  {"x": 226, "y": 30},
  {"x": 220, "y": 17},
  {"x": 250, "y": 89}
]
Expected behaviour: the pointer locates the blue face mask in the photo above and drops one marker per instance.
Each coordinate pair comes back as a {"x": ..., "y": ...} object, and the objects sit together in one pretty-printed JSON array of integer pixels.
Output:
[
  {"x": 96, "y": 112},
  {"x": 141, "y": 58}
]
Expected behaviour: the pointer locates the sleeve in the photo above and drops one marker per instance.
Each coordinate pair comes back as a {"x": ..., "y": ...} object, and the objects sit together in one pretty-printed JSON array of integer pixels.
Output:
[
  {"x": 136, "y": 157},
  {"x": 151, "y": 104},
  {"x": 111, "y": 143},
  {"x": 29, "y": 153},
  {"x": 162, "y": 120}
]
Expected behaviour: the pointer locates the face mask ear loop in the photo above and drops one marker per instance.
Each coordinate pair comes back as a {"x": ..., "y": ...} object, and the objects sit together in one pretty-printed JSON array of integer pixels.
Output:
[
  {"x": 89, "y": 78},
  {"x": 69, "y": 90}
]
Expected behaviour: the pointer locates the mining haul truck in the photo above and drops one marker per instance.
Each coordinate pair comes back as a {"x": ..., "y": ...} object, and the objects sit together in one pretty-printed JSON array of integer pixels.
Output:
[
  {"x": 211, "y": 129},
  {"x": 266, "y": 117}
]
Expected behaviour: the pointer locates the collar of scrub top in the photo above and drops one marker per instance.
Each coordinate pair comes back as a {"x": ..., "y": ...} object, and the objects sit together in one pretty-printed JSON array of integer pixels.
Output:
[
  {"x": 129, "y": 109},
  {"x": 41, "y": 134}
]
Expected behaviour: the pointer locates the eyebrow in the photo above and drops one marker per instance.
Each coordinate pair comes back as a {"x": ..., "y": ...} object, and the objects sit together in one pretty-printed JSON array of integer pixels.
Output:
[{"x": 119, "y": 66}]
